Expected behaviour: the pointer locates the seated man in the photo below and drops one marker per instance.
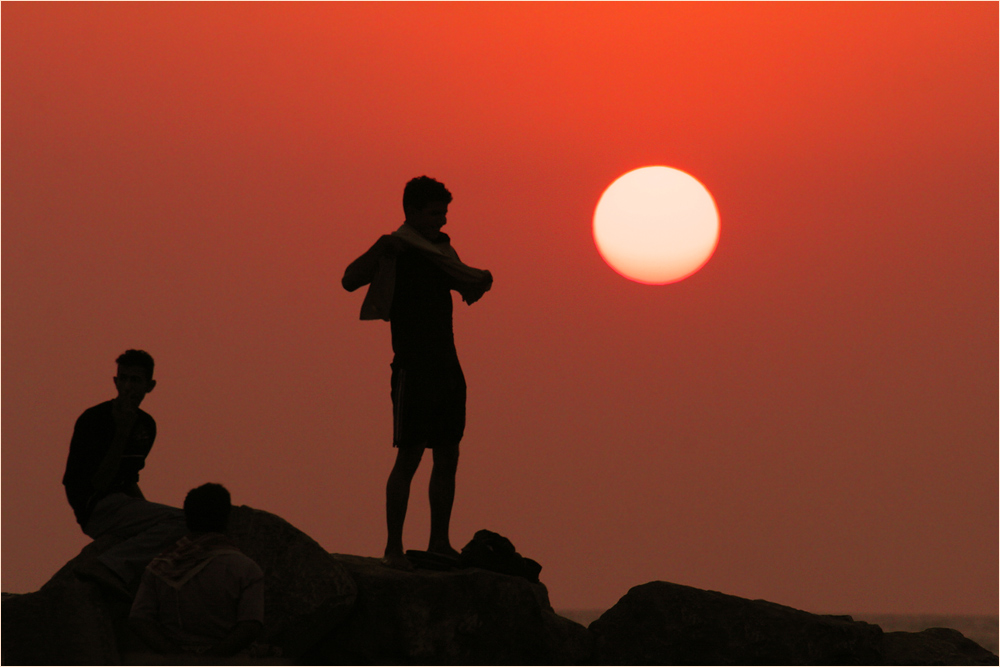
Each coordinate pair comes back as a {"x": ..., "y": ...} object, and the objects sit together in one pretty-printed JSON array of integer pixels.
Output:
[
  {"x": 203, "y": 595},
  {"x": 109, "y": 447}
]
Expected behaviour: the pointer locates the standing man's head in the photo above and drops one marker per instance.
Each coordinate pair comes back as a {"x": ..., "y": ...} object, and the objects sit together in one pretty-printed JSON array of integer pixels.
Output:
[
  {"x": 206, "y": 509},
  {"x": 425, "y": 203},
  {"x": 134, "y": 378}
]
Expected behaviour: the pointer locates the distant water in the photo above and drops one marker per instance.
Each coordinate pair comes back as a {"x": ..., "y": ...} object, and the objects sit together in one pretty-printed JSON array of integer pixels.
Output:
[{"x": 980, "y": 629}]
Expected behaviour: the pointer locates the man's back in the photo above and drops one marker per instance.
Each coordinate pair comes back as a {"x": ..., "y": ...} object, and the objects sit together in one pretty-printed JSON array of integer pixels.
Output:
[{"x": 200, "y": 600}]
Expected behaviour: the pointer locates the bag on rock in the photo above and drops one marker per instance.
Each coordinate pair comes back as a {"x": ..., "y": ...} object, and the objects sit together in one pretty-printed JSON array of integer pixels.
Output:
[{"x": 492, "y": 551}]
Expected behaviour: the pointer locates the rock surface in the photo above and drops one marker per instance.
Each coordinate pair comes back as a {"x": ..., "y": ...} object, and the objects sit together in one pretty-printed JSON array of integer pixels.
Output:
[
  {"x": 71, "y": 621},
  {"x": 67, "y": 621},
  {"x": 306, "y": 591},
  {"x": 660, "y": 623},
  {"x": 335, "y": 609},
  {"x": 468, "y": 616},
  {"x": 934, "y": 646}
]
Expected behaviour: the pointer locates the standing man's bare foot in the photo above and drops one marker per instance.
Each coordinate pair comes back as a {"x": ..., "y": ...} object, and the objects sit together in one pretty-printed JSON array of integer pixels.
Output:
[{"x": 397, "y": 561}]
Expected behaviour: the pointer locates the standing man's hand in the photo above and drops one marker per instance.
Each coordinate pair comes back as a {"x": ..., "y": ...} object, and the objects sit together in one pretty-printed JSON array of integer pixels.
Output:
[{"x": 476, "y": 291}]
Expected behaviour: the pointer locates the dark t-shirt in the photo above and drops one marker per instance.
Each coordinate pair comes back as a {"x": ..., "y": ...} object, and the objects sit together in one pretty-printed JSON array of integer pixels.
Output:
[
  {"x": 421, "y": 315},
  {"x": 92, "y": 437}
]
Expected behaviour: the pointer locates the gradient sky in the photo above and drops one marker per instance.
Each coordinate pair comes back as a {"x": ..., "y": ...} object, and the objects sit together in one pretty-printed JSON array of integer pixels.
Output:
[{"x": 811, "y": 419}]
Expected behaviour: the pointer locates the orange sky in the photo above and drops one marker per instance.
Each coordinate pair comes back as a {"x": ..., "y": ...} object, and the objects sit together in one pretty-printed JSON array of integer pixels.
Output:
[{"x": 810, "y": 419}]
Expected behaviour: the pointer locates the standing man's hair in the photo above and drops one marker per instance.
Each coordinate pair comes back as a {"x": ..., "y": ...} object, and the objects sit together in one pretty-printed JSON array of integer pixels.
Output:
[
  {"x": 139, "y": 358},
  {"x": 206, "y": 509},
  {"x": 421, "y": 191}
]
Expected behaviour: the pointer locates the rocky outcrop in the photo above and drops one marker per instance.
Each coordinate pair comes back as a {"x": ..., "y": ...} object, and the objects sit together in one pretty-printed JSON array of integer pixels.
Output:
[
  {"x": 73, "y": 621},
  {"x": 467, "y": 616},
  {"x": 934, "y": 646},
  {"x": 68, "y": 621},
  {"x": 336, "y": 609},
  {"x": 660, "y": 623},
  {"x": 306, "y": 591}
]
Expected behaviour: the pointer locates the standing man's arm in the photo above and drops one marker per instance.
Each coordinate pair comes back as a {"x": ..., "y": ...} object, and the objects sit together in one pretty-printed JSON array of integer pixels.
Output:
[
  {"x": 362, "y": 270},
  {"x": 475, "y": 291}
]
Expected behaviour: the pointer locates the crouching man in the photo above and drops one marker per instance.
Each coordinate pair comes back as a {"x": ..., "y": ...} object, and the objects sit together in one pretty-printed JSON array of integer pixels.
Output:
[{"x": 203, "y": 595}]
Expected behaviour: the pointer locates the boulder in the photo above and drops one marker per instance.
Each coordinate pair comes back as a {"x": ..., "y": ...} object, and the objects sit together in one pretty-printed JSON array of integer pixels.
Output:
[
  {"x": 73, "y": 621},
  {"x": 466, "y": 616},
  {"x": 306, "y": 591},
  {"x": 662, "y": 623},
  {"x": 934, "y": 646},
  {"x": 336, "y": 609},
  {"x": 68, "y": 621}
]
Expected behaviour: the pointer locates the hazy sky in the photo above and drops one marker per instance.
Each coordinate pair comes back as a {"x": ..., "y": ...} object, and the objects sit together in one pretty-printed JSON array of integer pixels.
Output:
[{"x": 811, "y": 419}]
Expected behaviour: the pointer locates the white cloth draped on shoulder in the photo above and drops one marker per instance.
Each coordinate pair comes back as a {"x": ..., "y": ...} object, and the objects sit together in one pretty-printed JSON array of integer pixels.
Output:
[
  {"x": 378, "y": 300},
  {"x": 189, "y": 556}
]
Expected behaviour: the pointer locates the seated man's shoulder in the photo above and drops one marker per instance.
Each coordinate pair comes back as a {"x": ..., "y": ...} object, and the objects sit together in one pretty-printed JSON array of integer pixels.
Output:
[{"x": 239, "y": 563}]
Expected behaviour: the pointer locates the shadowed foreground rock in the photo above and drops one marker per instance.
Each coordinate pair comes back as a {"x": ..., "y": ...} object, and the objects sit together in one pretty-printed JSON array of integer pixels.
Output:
[
  {"x": 70, "y": 621},
  {"x": 66, "y": 622},
  {"x": 331, "y": 609},
  {"x": 469, "y": 616},
  {"x": 934, "y": 646},
  {"x": 306, "y": 592},
  {"x": 660, "y": 623}
]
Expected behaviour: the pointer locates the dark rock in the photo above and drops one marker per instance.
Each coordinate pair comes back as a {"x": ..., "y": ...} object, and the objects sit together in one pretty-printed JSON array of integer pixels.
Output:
[
  {"x": 74, "y": 621},
  {"x": 662, "y": 623},
  {"x": 333, "y": 609},
  {"x": 68, "y": 621},
  {"x": 934, "y": 646},
  {"x": 306, "y": 591},
  {"x": 468, "y": 616}
]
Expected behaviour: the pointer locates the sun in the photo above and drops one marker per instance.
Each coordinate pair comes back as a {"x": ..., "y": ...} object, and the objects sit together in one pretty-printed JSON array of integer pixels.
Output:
[{"x": 656, "y": 225}]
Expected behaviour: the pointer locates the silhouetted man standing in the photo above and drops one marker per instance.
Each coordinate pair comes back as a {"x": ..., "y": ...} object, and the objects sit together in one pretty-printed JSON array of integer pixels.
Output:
[
  {"x": 109, "y": 448},
  {"x": 412, "y": 273}
]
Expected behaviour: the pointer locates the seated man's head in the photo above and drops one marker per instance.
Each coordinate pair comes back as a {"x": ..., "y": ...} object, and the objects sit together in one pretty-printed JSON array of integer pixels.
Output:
[
  {"x": 206, "y": 509},
  {"x": 425, "y": 203},
  {"x": 134, "y": 378}
]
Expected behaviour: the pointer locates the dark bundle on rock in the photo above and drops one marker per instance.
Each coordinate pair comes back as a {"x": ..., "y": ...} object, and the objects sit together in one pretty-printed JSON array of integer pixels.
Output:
[{"x": 492, "y": 551}]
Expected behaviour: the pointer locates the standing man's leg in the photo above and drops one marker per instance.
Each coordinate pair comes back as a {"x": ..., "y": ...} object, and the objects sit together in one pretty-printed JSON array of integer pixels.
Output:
[
  {"x": 442, "y": 497},
  {"x": 397, "y": 497}
]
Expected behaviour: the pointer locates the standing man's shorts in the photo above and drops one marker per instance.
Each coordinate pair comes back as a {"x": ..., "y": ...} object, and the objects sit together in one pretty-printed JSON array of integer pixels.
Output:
[{"x": 428, "y": 405}]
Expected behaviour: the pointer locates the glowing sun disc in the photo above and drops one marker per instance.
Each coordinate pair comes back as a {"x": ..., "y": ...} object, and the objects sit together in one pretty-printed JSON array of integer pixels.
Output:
[{"x": 656, "y": 225}]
